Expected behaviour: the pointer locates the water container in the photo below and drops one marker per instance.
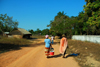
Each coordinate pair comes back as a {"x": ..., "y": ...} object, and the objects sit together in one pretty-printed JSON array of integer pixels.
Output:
[{"x": 51, "y": 51}]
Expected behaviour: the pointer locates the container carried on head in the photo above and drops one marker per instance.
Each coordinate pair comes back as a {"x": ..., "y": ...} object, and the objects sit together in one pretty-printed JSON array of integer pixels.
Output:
[{"x": 51, "y": 51}]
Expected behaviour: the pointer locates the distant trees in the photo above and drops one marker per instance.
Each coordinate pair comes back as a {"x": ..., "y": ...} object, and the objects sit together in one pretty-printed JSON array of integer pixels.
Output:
[
  {"x": 86, "y": 23},
  {"x": 31, "y": 31},
  {"x": 6, "y": 23},
  {"x": 45, "y": 31},
  {"x": 40, "y": 32},
  {"x": 61, "y": 24}
]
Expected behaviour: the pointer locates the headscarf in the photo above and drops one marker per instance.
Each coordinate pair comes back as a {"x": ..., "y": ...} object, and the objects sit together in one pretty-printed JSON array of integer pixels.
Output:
[
  {"x": 63, "y": 35},
  {"x": 47, "y": 36}
]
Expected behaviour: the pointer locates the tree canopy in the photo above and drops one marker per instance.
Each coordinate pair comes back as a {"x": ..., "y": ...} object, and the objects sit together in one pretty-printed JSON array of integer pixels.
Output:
[
  {"x": 6, "y": 23},
  {"x": 92, "y": 10},
  {"x": 40, "y": 32}
]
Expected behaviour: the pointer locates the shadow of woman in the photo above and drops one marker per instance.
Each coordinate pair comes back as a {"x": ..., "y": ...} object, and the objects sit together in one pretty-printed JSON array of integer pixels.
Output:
[
  {"x": 70, "y": 55},
  {"x": 55, "y": 56},
  {"x": 59, "y": 55}
]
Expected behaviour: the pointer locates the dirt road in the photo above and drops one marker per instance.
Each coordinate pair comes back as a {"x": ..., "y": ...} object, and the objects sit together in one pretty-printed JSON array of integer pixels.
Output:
[{"x": 35, "y": 57}]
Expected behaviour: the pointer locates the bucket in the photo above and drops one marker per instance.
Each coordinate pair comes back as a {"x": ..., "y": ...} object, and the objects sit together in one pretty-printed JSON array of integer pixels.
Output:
[{"x": 51, "y": 53}]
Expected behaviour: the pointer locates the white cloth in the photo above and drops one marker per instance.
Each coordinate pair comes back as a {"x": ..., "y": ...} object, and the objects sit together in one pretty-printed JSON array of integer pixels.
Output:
[{"x": 52, "y": 38}]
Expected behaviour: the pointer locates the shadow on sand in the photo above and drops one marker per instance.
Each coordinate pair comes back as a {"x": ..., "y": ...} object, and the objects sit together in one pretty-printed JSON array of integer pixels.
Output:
[
  {"x": 74, "y": 54},
  {"x": 55, "y": 56},
  {"x": 59, "y": 55},
  {"x": 4, "y": 47}
]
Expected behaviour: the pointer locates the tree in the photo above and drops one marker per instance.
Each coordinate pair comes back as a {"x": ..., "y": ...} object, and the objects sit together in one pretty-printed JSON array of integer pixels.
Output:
[
  {"x": 92, "y": 9},
  {"x": 38, "y": 31},
  {"x": 6, "y": 23},
  {"x": 75, "y": 26},
  {"x": 61, "y": 24},
  {"x": 58, "y": 23},
  {"x": 83, "y": 26},
  {"x": 45, "y": 31},
  {"x": 31, "y": 31}
]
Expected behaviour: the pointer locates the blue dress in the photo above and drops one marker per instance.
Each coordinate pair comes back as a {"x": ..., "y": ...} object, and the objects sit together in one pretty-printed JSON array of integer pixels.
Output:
[{"x": 47, "y": 43}]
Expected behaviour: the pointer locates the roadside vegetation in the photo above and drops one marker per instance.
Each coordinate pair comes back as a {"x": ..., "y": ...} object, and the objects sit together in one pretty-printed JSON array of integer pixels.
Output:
[
  {"x": 89, "y": 55},
  {"x": 7, "y": 44},
  {"x": 38, "y": 36}
]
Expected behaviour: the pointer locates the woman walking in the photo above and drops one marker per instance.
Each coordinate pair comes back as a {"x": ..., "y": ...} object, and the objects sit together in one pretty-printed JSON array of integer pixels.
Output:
[
  {"x": 47, "y": 46},
  {"x": 63, "y": 45}
]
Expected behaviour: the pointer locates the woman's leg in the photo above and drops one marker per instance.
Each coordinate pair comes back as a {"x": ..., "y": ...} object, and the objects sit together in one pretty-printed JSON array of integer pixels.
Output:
[
  {"x": 64, "y": 54},
  {"x": 47, "y": 50},
  {"x": 52, "y": 41}
]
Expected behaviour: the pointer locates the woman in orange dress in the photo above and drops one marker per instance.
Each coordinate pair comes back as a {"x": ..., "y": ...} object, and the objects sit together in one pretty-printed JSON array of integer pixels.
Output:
[{"x": 63, "y": 45}]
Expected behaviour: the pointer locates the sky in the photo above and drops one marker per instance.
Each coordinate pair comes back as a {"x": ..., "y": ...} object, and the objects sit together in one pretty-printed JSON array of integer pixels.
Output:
[{"x": 34, "y": 14}]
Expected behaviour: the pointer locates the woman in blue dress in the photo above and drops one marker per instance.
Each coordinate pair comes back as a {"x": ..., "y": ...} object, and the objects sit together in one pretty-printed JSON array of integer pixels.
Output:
[{"x": 47, "y": 46}]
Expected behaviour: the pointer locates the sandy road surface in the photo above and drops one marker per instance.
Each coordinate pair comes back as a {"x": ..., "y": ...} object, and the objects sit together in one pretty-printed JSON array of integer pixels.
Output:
[{"x": 35, "y": 57}]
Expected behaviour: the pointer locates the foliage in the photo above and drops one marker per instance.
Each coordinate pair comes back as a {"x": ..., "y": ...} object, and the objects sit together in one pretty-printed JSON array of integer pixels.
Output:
[
  {"x": 86, "y": 23},
  {"x": 45, "y": 31},
  {"x": 40, "y": 32},
  {"x": 92, "y": 9},
  {"x": 31, "y": 31},
  {"x": 61, "y": 24},
  {"x": 6, "y": 23}
]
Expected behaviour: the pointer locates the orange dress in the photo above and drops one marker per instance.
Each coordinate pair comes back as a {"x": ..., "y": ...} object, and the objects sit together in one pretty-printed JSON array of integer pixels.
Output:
[{"x": 63, "y": 45}]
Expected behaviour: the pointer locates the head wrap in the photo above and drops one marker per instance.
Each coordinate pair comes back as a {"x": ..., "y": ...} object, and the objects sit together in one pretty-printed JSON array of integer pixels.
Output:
[
  {"x": 47, "y": 36},
  {"x": 63, "y": 35}
]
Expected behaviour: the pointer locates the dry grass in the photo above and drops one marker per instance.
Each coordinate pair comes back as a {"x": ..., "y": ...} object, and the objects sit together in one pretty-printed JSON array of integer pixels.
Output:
[
  {"x": 86, "y": 49},
  {"x": 38, "y": 36},
  {"x": 14, "y": 41},
  {"x": 7, "y": 44}
]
